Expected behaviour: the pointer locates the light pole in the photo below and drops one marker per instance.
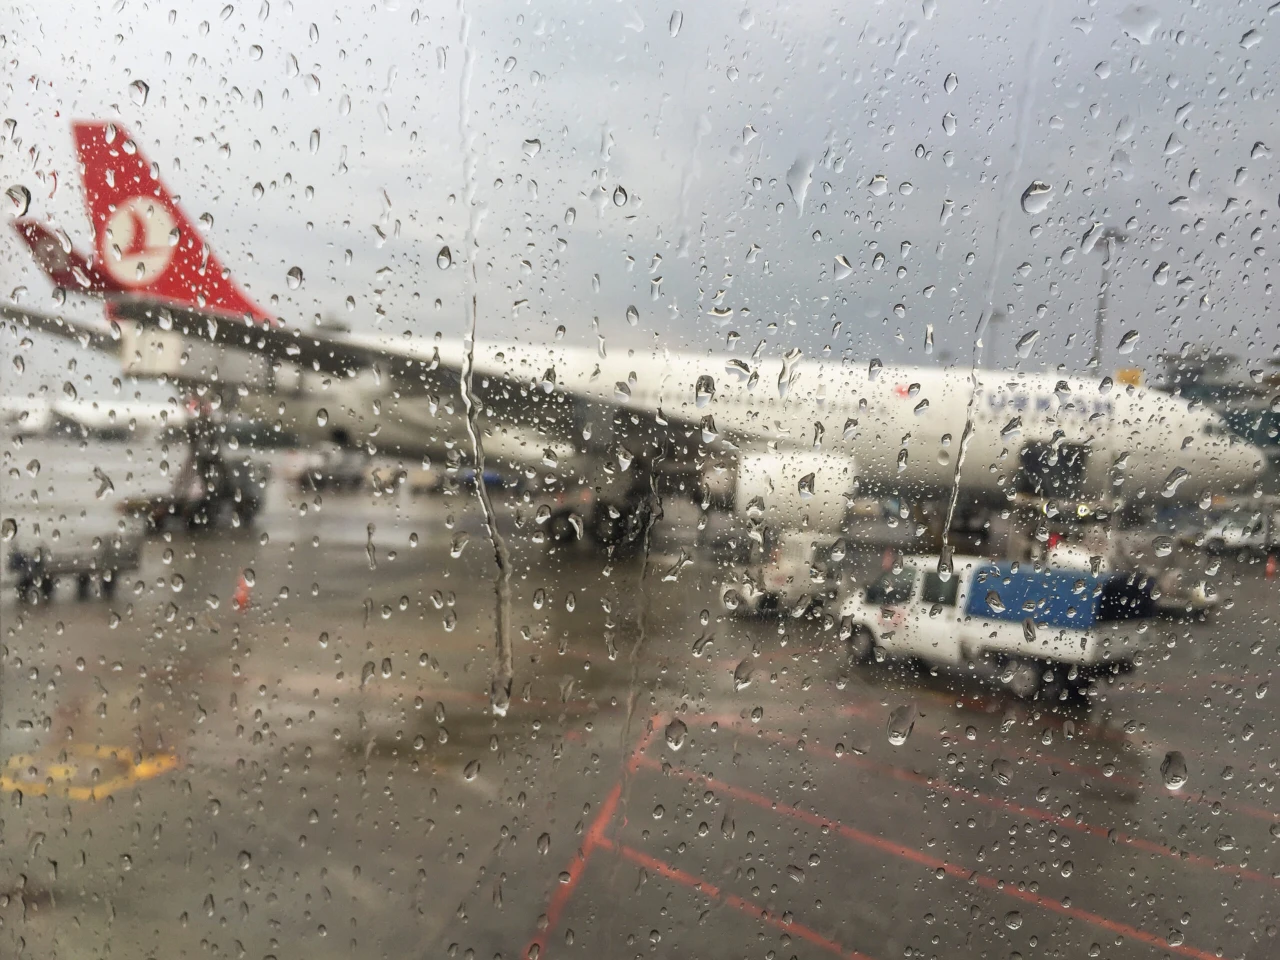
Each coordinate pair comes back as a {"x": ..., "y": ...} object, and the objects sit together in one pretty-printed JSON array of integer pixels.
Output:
[{"x": 1108, "y": 241}]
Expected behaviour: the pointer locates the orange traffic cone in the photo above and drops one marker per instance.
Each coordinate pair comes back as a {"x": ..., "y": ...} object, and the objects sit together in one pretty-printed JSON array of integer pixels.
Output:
[
  {"x": 240, "y": 599},
  {"x": 1272, "y": 565}
]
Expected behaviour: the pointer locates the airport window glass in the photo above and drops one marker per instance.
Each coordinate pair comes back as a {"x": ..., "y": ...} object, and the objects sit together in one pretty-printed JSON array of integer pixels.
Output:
[{"x": 633, "y": 479}]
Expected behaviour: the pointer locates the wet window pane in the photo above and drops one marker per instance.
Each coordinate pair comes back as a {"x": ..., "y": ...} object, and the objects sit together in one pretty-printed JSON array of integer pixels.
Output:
[{"x": 617, "y": 479}]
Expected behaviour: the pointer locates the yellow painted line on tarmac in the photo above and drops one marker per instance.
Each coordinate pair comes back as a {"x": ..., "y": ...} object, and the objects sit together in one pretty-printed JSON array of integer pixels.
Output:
[{"x": 57, "y": 776}]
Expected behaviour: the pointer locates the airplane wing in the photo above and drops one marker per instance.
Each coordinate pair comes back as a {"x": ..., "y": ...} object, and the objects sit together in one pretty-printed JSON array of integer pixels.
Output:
[
  {"x": 89, "y": 336},
  {"x": 416, "y": 367},
  {"x": 338, "y": 356}
]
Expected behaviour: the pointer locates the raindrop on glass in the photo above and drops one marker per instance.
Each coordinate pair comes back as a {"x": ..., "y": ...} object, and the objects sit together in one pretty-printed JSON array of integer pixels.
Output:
[
  {"x": 1173, "y": 770},
  {"x": 902, "y": 721},
  {"x": 675, "y": 733},
  {"x": 1036, "y": 198}
]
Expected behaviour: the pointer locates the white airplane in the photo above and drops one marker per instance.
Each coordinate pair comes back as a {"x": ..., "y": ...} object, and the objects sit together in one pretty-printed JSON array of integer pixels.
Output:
[{"x": 787, "y": 438}]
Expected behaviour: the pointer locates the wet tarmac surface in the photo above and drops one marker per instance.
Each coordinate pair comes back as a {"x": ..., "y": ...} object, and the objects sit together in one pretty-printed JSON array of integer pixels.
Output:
[{"x": 319, "y": 774}]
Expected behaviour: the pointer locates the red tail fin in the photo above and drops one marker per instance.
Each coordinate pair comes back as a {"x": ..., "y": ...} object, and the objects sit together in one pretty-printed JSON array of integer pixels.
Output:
[
  {"x": 145, "y": 242},
  {"x": 64, "y": 264}
]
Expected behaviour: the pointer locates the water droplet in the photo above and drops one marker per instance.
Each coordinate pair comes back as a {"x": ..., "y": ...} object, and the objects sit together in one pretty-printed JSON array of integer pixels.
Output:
[
  {"x": 460, "y": 541},
  {"x": 1029, "y": 630},
  {"x": 21, "y": 198},
  {"x": 1036, "y": 198},
  {"x": 105, "y": 486},
  {"x": 471, "y": 770},
  {"x": 704, "y": 391},
  {"x": 138, "y": 91},
  {"x": 386, "y": 667},
  {"x": 1025, "y": 343},
  {"x": 633, "y": 316},
  {"x": 1250, "y": 39},
  {"x": 444, "y": 259},
  {"x": 795, "y": 873},
  {"x": 949, "y": 123},
  {"x": 244, "y": 859},
  {"x": 1002, "y": 770},
  {"x": 1163, "y": 546},
  {"x": 8, "y": 529},
  {"x": 1173, "y": 481},
  {"x": 1161, "y": 276},
  {"x": 675, "y": 733},
  {"x": 902, "y": 721},
  {"x": 742, "y": 675},
  {"x": 843, "y": 267},
  {"x": 1139, "y": 22},
  {"x": 619, "y": 196},
  {"x": 367, "y": 672},
  {"x": 531, "y": 147},
  {"x": 544, "y": 843},
  {"x": 322, "y": 417},
  {"x": 994, "y": 601},
  {"x": 1173, "y": 770},
  {"x": 874, "y": 368},
  {"x": 1127, "y": 341},
  {"x": 799, "y": 176},
  {"x": 1013, "y": 920},
  {"x": 315, "y": 141},
  {"x": 294, "y": 278},
  {"x": 950, "y": 83},
  {"x": 805, "y": 486}
]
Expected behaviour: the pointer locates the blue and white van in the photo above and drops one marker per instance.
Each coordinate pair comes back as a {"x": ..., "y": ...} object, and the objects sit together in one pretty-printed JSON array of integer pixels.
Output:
[{"x": 1040, "y": 632}]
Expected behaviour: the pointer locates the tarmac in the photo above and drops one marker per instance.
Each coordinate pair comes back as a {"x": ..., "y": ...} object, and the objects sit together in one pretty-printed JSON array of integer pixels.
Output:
[{"x": 278, "y": 743}]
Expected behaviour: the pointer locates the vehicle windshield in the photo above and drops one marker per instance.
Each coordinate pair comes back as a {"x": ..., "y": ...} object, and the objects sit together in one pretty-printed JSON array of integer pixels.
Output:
[
  {"x": 889, "y": 589},
  {"x": 625, "y": 479}
]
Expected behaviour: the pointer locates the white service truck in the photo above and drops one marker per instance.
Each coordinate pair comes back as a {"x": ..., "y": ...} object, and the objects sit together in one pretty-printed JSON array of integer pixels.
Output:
[{"x": 1041, "y": 633}]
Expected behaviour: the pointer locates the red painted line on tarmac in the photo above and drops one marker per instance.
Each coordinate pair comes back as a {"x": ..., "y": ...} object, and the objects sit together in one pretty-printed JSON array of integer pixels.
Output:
[
  {"x": 730, "y": 900},
  {"x": 906, "y": 775},
  {"x": 593, "y": 838},
  {"x": 560, "y": 899},
  {"x": 919, "y": 856},
  {"x": 1052, "y": 761}
]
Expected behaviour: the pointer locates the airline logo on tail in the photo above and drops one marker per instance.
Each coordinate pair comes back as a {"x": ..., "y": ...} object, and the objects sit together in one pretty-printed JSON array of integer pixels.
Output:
[
  {"x": 146, "y": 246},
  {"x": 137, "y": 240}
]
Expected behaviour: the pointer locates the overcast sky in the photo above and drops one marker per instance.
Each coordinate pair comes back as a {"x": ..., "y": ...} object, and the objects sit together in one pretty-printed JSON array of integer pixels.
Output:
[{"x": 895, "y": 123}]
